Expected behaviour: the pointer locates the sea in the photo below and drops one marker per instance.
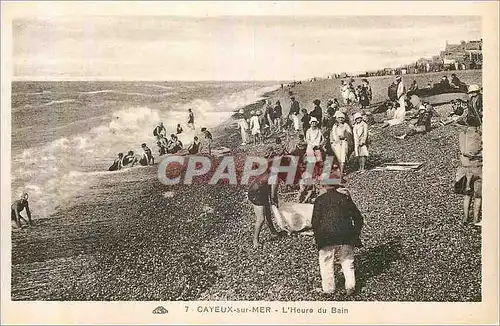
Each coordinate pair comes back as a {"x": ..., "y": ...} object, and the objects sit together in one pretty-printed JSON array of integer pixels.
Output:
[{"x": 66, "y": 134}]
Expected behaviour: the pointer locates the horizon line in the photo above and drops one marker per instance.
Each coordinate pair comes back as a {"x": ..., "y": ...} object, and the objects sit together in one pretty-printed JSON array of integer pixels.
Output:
[{"x": 110, "y": 79}]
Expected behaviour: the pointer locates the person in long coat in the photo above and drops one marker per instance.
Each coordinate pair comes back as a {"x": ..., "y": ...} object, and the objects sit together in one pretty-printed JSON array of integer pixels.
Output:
[
  {"x": 339, "y": 136},
  {"x": 360, "y": 135}
]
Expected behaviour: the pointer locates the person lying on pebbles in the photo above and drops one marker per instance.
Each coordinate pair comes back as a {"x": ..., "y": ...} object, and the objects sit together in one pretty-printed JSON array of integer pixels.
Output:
[{"x": 422, "y": 125}]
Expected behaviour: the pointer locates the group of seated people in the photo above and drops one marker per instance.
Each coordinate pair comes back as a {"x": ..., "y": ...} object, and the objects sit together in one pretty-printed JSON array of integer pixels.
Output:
[
  {"x": 169, "y": 146},
  {"x": 132, "y": 159},
  {"x": 445, "y": 85}
]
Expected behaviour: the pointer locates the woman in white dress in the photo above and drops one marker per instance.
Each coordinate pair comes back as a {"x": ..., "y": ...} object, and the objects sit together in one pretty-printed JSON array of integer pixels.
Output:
[
  {"x": 243, "y": 125},
  {"x": 314, "y": 140},
  {"x": 360, "y": 134},
  {"x": 339, "y": 139}
]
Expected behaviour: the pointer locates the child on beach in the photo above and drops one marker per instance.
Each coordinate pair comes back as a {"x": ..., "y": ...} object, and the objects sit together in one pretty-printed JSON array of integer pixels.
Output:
[
  {"x": 255, "y": 127},
  {"x": 337, "y": 224},
  {"x": 360, "y": 134}
]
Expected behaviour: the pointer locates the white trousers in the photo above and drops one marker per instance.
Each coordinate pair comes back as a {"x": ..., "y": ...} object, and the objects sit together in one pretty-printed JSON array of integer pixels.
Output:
[
  {"x": 295, "y": 119},
  {"x": 244, "y": 136},
  {"x": 400, "y": 113},
  {"x": 327, "y": 262}
]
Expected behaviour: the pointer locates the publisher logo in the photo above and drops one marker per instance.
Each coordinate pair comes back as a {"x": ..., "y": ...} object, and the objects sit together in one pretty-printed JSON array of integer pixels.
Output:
[{"x": 160, "y": 310}]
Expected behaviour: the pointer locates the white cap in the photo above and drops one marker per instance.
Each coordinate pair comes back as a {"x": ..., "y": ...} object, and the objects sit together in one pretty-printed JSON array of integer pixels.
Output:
[
  {"x": 473, "y": 88},
  {"x": 313, "y": 119},
  {"x": 358, "y": 115},
  {"x": 241, "y": 111},
  {"x": 252, "y": 112}
]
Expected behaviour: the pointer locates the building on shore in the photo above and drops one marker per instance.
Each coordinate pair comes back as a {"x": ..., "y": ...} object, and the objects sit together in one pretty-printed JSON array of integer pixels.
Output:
[{"x": 466, "y": 55}]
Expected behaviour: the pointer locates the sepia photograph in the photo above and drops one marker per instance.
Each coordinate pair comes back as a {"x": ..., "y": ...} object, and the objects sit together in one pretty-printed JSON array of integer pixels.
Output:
[{"x": 246, "y": 158}]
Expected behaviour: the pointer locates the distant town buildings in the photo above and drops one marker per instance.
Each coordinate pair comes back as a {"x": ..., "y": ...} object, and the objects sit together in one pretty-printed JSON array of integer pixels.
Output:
[{"x": 466, "y": 55}]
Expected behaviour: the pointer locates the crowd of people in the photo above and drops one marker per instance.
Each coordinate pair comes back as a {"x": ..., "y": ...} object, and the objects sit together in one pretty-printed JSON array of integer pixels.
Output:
[
  {"x": 320, "y": 132},
  {"x": 334, "y": 130},
  {"x": 166, "y": 145},
  {"x": 336, "y": 221}
]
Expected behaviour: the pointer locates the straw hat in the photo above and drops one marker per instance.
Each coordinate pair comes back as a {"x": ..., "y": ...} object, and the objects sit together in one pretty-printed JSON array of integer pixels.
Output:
[
  {"x": 241, "y": 111},
  {"x": 398, "y": 77},
  {"x": 357, "y": 115},
  {"x": 473, "y": 88},
  {"x": 252, "y": 112},
  {"x": 339, "y": 114},
  {"x": 258, "y": 112},
  {"x": 313, "y": 119}
]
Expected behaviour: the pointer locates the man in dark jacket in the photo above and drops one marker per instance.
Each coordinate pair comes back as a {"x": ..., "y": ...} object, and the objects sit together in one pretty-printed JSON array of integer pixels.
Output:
[
  {"x": 337, "y": 223},
  {"x": 294, "y": 113},
  {"x": 317, "y": 112},
  {"x": 392, "y": 91}
]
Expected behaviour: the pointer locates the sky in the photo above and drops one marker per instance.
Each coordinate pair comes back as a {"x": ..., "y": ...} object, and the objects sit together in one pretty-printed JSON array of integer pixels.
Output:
[{"x": 226, "y": 47}]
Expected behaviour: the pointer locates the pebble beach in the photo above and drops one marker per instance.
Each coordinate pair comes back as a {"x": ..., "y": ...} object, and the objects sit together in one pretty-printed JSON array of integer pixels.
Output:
[{"x": 140, "y": 240}]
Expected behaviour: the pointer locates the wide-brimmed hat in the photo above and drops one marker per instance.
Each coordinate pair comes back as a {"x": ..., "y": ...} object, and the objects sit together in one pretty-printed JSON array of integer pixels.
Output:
[
  {"x": 398, "y": 77},
  {"x": 339, "y": 114},
  {"x": 357, "y": 115},
  {"x": 313, "y": 119},
  {"x": 473, "y": 88},
  {"x": 316, "y": 102}
]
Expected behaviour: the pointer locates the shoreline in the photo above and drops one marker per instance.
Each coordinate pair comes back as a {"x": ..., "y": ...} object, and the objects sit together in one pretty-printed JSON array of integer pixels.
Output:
[{"x": 125, "y": 241}]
